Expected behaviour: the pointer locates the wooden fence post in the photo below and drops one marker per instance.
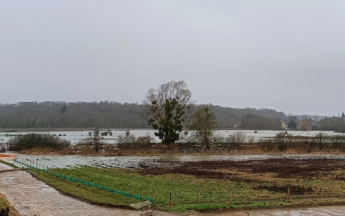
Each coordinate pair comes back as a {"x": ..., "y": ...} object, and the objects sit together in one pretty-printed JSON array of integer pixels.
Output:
[
  {"x": 199, "y": 197},
  {"x": 288, "y": 193},
  {"x": 121, "y": 188},
  {"x": 230, "y": 197},
  {"x": 170, "y": 201},
  {"x": 131, "y": 190},
  {"x": 112, "y": 185}
]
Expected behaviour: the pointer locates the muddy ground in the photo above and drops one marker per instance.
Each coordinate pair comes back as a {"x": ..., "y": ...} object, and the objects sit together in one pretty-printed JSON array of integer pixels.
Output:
[
  {"x": 253, "y": 171},
  {"x": 282, "y": 168}
]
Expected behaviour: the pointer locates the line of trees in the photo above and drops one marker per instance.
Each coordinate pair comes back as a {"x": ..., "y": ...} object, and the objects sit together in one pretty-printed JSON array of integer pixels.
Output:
[
  {"x": 255, "y": 122},
  {"x": 104, "y": 114},
  {"x": 330, "y": 124}
]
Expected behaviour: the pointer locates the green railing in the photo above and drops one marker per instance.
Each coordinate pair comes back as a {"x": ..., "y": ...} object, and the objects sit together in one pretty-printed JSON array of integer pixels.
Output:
[{"x": 90, "y": 184}]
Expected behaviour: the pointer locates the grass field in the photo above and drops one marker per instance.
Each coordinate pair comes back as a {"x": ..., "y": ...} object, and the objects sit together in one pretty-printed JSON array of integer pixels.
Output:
[{"x": 250, "y": 184}]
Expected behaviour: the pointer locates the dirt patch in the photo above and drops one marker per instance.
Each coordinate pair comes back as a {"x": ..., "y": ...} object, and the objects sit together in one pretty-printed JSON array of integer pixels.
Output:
[
  {"x": 282, "y": 168},
  {"x": 294, "y": 189}
]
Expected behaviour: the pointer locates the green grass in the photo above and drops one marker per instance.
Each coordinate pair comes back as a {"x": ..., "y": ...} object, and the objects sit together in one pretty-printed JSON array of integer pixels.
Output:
[
  {"x": 184, "y": 189},
  {"x": 92, "y": 194},
  {"x": 214, "y": 194}
]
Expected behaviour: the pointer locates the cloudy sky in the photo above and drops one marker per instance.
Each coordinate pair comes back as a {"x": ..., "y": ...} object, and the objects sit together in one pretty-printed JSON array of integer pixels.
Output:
[{"x": 283, "y": 55}]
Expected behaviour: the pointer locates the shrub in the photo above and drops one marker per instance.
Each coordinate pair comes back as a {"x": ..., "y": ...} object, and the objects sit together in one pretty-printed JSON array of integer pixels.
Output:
[{"x": 33, "y": 140}]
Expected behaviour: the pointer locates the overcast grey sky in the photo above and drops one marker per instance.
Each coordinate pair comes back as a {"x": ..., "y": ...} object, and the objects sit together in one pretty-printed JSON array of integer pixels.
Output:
[{"x": 283, "y": 55}]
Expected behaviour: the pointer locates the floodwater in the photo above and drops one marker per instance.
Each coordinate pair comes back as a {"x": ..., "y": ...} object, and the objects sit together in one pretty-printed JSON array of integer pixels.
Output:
[
  {"x": 133, "y": 161},
  {"x": 77, "y": 136}
]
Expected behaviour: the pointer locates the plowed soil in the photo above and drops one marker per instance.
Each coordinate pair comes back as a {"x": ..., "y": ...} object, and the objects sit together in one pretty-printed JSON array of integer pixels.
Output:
[{"x": 282, "y": 168}]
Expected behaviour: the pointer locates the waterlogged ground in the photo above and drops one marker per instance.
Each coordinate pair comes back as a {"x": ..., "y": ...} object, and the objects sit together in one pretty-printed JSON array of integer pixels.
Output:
[
  {"x": 135, "y": 161},
  {"x": 77, "y": 136}
]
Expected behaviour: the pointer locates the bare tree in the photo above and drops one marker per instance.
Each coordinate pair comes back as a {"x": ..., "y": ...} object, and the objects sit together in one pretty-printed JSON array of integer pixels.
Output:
[
  {"x": 172, "y": 90},
  {"x": 203, "y": 125}
]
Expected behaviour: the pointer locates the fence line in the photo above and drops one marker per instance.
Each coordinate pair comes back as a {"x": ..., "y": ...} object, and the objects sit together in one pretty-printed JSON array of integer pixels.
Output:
[{"x": 76, "y": 180}]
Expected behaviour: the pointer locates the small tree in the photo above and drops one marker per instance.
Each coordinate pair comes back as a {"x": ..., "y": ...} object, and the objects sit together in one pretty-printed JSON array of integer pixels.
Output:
[
  {"x": 96, "y": 140},
  {"x": 292, "y": 125},
  {"x": 306, "y": 125},
  {"x": 128, "y": 138},
  {"x": 203, "y": 125},
  {"x": 165, "y": 109}
]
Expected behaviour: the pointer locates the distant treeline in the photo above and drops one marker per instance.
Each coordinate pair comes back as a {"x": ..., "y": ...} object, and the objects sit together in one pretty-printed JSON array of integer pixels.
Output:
[
  {"x": 71, "y": 115},
  {"x": 260, "y": 118},
  {"x": 107, "y": 114},
  {"x": 330, "y": 124}
]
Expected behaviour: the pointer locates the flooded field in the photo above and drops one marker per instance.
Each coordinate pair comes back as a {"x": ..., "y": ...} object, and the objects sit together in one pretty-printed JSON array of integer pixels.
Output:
[
  {"x": 136, "y": 161},
  {"x": 77, "y": 136}
]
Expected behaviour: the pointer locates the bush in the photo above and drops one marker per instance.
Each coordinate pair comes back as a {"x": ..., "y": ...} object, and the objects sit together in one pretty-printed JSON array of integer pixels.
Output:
[
  {"x": 126, "y": 139},
  {"x": 237, "y": 137},
  {"x": 145, "y": 140},
  {"x": 30, "y": 141}
]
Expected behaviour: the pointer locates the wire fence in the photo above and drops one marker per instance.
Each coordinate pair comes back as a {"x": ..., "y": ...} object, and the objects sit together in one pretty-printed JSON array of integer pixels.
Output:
[{"x": 40, "y": 167}]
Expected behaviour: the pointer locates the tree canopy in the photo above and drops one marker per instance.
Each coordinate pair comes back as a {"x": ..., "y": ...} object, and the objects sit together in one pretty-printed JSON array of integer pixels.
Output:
[
  {"x": 166, "y": 109},
  {"x": 292, "y": 125},
  {"x": 203, "y": 125}
]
